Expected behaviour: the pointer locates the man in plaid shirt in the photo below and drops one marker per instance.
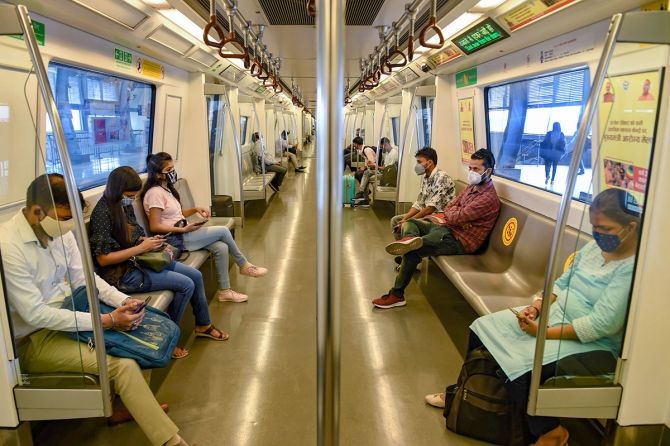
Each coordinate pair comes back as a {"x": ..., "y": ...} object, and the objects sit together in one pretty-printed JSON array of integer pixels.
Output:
[{"x": 461, "y": 228}]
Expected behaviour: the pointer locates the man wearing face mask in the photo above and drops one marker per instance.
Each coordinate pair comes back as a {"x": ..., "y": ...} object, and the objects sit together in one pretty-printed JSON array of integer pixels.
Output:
[
  {"x": 460, "y": 228},
  {"x": 437, "y": 190},
  {"x": 390, "y": 157},
  {"x": 42, "y": 265}
]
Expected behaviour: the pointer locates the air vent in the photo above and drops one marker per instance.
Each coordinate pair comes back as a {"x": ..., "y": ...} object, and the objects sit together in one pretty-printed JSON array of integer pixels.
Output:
[
  {"x": 233, "y": 74},
  {"x": 293, "y": 12},
  {"x": 170, "y": 39},
  {"x": 120, "y": 13},
  {"x": 203, "y": 57},
  {"x": 407, "y": 75}
]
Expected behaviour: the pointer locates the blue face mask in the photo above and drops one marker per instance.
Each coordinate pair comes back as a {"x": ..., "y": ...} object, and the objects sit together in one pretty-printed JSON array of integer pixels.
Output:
[
  {"x": 607, "y": 242},
  {"x": 127, "y": 201}
]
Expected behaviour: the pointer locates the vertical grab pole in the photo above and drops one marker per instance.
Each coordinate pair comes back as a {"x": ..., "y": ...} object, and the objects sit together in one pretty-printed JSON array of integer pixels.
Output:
[
  {"x": 564, "y": 209},
  {"x": 77, "y": 212},
  {"x": 330, "y": 97}
]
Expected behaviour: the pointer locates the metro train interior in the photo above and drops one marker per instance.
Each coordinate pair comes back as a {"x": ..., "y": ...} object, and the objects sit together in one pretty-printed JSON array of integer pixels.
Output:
[{"x": 334, "y": 222}]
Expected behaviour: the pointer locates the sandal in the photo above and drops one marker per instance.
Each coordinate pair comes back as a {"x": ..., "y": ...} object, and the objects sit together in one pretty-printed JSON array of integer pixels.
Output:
[
  {"x": 208, "y": 334},
  {"x": 184, "y": 353}
]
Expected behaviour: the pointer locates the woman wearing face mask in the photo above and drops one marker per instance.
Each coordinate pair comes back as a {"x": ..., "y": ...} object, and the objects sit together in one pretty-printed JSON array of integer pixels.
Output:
[
  {"x": 161, "y": 204},
  {"x": 586, "y": 317},
  {"x": 116, "y": 238}
]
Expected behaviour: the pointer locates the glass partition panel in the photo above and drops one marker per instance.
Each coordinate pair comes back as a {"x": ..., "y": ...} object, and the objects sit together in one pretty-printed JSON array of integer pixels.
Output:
[
  {"x": 108, "y": 122},
  {"x": 216, "y": 120},
  {"x": 532, "y": 126},
  {"x": 41, "y": 264},
  {"x": 424, "y": 120},
  {"x": 387, "y": 156},
  {"x": 588, "y": 319}
]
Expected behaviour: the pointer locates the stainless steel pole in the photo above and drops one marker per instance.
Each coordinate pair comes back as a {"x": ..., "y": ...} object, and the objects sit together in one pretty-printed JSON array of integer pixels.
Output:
[
  {"x": 564, "y": 209},
  {"x": 329, "y": 117},
  {"x": 75, "y": 205}
]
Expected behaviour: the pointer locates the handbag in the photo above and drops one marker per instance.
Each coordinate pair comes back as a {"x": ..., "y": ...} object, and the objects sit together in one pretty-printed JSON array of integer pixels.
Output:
[
  {"x": 151, "y": 344},
  {"x": 157, "y": 260}
]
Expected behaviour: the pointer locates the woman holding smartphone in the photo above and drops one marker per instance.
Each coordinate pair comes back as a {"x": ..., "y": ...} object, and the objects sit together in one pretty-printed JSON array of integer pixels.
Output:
[
  {"x": 161, "y": 204},
  {"x": 586, "y": 317},
  {"x": 116, "y": 238}
]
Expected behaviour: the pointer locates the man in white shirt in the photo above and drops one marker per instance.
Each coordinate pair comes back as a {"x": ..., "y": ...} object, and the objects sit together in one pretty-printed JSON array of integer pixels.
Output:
[
  {"x": 437, "y": 190},
  {"x": 42, "y": 265},
  {"x": 390, "y": 157},
  {"x": 282, "y": 146}
]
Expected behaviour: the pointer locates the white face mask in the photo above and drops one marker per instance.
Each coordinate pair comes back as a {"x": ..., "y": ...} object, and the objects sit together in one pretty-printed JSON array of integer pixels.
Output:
[
  {"x": 56, "y": 228},
  {"x": 419, "y": 169},
  {"x": 474, "y": 177}
]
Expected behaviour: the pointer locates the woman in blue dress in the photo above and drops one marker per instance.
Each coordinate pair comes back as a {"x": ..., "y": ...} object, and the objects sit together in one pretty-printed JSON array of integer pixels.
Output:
[{"x": 586, "y": 319}]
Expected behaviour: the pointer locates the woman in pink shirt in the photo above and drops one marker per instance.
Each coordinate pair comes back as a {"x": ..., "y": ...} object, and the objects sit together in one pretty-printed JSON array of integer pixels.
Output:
[{"x": 161, "y": 204}]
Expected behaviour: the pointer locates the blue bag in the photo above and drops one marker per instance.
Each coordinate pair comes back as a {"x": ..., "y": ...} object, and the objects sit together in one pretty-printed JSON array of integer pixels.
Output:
[{"x": 151, "y": 344}]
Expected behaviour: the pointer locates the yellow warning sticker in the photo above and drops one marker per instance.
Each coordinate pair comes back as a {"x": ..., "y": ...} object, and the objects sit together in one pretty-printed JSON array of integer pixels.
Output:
[{"x": 509, "y": 231}]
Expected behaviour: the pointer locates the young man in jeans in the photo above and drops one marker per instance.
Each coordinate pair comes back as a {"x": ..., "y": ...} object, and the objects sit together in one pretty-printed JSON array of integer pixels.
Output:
[{"x": 461, "y": 228}]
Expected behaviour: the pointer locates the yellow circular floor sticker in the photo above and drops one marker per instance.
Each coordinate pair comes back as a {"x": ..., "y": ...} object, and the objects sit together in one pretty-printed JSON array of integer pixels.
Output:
[
  {"x": 568, "y": 261},
  {"x": 509, "y": 231}
]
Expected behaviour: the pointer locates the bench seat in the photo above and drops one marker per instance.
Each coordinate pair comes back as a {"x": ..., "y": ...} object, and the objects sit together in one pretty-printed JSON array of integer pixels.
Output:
[{"x": 511, "y": 269}]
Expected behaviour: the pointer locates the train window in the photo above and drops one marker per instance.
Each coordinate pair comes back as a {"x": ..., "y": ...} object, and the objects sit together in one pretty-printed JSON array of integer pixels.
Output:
[
  {"x": 107, "y": 121},
  {"x": 243, "y": 129},
  {"x": 395, "y": 126},
  {"x": 532, "y": 126}
]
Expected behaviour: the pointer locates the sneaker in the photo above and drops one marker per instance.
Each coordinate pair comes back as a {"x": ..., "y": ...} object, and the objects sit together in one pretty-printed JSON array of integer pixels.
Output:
[
  {"x": 404, "y": 245},
  {"x": 231, "y": 296},
  {"x": 389, "y": 301},
  {"x": 363, "y": 203},
  {"x": 253, "y": 271},
  {"x": 300, "y": 170},
  {"x": 435, "y": 400},
  {"x": 359, "y": 196},
  {"x": 302, "y": 167}
]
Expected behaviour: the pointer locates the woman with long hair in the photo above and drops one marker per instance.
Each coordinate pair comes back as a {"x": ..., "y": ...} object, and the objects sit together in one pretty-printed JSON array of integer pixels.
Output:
[
  {"x": 116, "y": 238},
  {"x": 163, "y": 208}
]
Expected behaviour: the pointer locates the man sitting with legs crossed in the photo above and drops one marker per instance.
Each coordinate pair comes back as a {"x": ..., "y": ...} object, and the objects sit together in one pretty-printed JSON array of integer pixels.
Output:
[{"x": 461, "y": 228}]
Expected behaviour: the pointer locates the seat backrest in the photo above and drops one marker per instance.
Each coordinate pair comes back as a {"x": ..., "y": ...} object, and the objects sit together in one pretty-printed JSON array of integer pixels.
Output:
[
  {"x": 505, "y": 235},
  {"x": 185, "y": 196},
  {"x": 141, "y": 217}
]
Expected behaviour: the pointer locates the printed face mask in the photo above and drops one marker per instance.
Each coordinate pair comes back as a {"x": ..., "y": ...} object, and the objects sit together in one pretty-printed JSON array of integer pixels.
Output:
[
  {"x": 171, "y": 176},
  {"x": 127, "y": 201},
  {"x": 607, "y": 242}
]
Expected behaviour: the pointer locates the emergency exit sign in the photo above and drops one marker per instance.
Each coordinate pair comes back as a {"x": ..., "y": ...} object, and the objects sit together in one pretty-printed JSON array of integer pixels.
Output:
[{"x": 123, "y": 57}]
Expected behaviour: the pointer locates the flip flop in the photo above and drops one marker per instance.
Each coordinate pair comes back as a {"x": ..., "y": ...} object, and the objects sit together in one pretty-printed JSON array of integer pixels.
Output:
[
  {"x": 208, "y": 334},
  {"x": 184, "y": 353}
]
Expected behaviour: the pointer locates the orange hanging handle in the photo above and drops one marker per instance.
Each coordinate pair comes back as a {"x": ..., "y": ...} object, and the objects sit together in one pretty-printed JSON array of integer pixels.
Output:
[
  {"x": 232, "y": 38},
  {"x": 431, "y": 25},
  {"x": 311, "y": 8},
  {"x": 213, "y": 25}
]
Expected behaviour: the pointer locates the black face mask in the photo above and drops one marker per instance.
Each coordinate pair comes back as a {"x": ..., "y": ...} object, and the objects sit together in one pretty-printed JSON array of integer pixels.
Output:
[{"x": 171, "y": 177}]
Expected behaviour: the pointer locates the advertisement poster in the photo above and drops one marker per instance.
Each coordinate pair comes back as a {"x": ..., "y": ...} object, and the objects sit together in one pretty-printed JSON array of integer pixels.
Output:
[
  {"x": 100, "y": 130},
  {"x": 466, "y": 127},
  {"x": 532, "y": 10},
  {"x": 444, "y": 56},
  {"x": 627, "y": 107}
]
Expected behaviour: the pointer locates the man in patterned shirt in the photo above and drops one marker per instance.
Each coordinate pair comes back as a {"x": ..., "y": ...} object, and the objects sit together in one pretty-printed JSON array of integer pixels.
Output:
[
  {"x": 437, "y": 190},
  {"x": 461, "y": 228}
]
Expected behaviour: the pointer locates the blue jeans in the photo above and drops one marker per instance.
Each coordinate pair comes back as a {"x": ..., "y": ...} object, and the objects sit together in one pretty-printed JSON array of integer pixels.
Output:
[
  {"x": 186, "y": 283},
  {"x": 219, "y": 241},
  {"x": 437, "y": 241}
]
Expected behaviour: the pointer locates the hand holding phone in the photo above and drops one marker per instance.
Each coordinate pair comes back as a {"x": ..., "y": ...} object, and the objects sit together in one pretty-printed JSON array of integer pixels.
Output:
[{"x": 141, "y": 306}]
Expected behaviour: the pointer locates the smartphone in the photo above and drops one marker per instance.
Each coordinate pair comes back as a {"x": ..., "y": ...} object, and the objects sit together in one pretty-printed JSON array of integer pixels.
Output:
[
  {"x": 141, "y": 306},
  {"x": 167, "y": 235},
  {"x": 514, "y": 310},
  {"x": 200, "y": 223}
]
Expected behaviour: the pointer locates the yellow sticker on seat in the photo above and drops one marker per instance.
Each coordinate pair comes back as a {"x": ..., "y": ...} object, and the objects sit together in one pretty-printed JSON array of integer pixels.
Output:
[
  {"x": 568, "y": 261},
  {"x": 509, "y": 231}
]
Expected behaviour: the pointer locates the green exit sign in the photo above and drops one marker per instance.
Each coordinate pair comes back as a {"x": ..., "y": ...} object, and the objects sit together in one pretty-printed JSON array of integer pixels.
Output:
[
  {"x": 480, "y": 36},
  {"x": 40, "y": 33},
  {"x": 123, "y": 56}
]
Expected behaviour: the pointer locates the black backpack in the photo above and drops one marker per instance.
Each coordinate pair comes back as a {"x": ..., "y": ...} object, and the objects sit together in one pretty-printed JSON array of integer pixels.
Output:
[{"x": 478, "y": 407}]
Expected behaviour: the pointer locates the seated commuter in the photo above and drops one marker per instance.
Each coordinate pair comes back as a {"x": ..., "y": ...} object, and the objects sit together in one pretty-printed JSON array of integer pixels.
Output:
[
  {"x": 347, "y": 158},
  {"x": 437, "y": 190},
  {"x": 161, "y": 204},
  {"x": 116, "y": 238},
  {"x": 390, "y": 157},
  {"x": 461, "y": 228},
  {"x": 42, "y": 265},
  {"x": 282, "y": 146},
  {"x": 268, "y": 159},
  {"x": 586, "y": 317},
  {"x": 368, "y": 153}
]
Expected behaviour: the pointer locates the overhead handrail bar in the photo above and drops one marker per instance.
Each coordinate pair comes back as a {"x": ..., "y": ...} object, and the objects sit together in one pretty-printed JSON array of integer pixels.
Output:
[
  {"x": 247, "y": 60},
  {"x": 75, "y": 205},
  {"x": 432, "y": 25},
  {"x": 232, "y": 37}
]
